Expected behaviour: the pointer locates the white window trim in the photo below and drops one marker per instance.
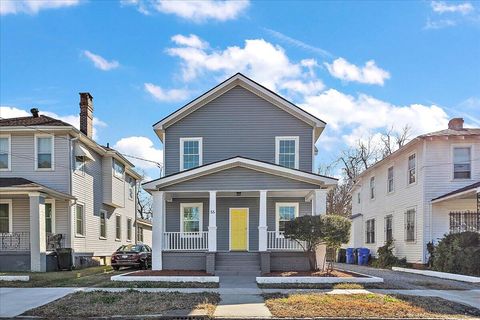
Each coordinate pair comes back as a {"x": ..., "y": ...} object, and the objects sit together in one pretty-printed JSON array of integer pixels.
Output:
[
  {"x": 77, "y": 171},
  {"x": 10, "y": 213},
  {"x": 200, "y": 223},
  {"x": 129, "y": 223},
  {"x": 36, "y": 136},
  {"x": 78, "y": 235},
  {"x": 52, "y": 202},
  {"x": 277, "y": 214},
  {"x": 277, "y": 149},
  {"x": 416, "y": 169},
  {"x": 9, "y": 137},
  {"x": 462, "y": 145},
  {"x": 100, "y": 225},
  {"x": 393, "y": 179},
  {"x": 115, "y": 173},
  {"x": 414, "y": 241},
  {"x": 370, "y": 188},
  {"x": 200, "y": 150},
  {"x": 389, "y": 215},
  {"x": 374, "y": 230},
  {"x": 118, "y": 224}
]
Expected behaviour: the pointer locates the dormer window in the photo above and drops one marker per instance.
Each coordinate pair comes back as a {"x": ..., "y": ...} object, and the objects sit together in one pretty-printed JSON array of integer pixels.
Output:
[
  {"x": 190, "y": 153},
  {"x": 286, "y": 152}
]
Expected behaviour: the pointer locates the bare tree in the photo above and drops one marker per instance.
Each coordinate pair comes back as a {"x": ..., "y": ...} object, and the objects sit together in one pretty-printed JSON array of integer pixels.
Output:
[
  {"x": 144, "y": 200},
  {"x": 393, "y": 140}
]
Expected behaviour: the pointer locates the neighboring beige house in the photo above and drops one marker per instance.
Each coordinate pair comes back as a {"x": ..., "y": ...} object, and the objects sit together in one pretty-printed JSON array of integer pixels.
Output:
[
  {"x": 59, "y": 188},
  {"x": 144, "y": 231},
  {"x": 421, "y": 192}
]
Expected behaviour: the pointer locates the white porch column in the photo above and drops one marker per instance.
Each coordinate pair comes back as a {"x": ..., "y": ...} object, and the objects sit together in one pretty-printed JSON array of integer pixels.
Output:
[
  {"x": 38, "y": 259},
  {"x": 158, "y": 210},
  {"x": 212, "y": 222},
  {"x": 319, "y": 202},
  {"x": 262, "y": 222}
]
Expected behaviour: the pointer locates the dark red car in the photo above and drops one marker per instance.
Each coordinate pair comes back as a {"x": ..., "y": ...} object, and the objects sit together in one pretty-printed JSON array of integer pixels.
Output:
[{"x": 132, "y": 255}]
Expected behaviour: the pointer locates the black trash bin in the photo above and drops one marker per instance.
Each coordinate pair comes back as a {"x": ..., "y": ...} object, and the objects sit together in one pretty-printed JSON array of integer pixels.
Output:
[
  {"x": 64, "y": 258},
  {"x": 342, "y": 256}
]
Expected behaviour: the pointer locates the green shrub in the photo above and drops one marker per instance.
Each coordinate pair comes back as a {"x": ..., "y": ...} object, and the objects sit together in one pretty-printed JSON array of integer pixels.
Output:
[
  {"x": 385, "y": 257},
  {"x": 458, "y": 253}
]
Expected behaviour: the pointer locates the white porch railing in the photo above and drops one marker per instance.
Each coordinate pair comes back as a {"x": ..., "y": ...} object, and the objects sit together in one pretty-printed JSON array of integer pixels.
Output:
[
  {"x": 276, "y": 241},
  {"x": 185, "y": 241}
]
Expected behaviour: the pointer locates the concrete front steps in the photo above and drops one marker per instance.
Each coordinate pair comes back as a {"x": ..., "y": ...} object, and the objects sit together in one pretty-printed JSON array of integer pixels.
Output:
[{"x": 237, "y": 264}]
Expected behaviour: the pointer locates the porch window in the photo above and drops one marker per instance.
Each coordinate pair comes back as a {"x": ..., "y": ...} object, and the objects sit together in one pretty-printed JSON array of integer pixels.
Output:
[
  {"x": 412, "y": 168},
  {"x": 462, "y": 163},
  {"x": 129, "y": 229},
  {"x": 191, "y": 217},
  {"x": 370, "y": 228},
  {"x": 44, "y": 152},
  {"x": 118, "y": 169},
  {"x": 5, "y": 150},
  {"x": 389, "y": 228},
  {"x": 5, "y": 216},
  {"x": 286, "y": 152},
  {"x": 190, "y": 153},
  {"x": 390, "y": 182},
  {"x": 103, "y": 224},
  {"x": 80, "y": 219},
  {"x": 372, "y": 188},
  {"x": 410, "y": 225},
  {"x": 118, "y": 227},
  {"x": 285, "y": 212},
  {"x": 49, "y": 217}
]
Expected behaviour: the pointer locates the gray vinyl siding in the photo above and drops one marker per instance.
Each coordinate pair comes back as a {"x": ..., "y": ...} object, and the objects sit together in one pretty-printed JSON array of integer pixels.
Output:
[
  {"x": 173, "y": 213},
  {"x": 239, "y": 179},
  {"x": 113, "y": 187},
  {"x": 238, "y": 123}
]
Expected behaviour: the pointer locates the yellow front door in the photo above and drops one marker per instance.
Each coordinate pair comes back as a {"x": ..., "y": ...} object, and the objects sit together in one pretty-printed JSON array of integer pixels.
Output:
[{"x": 238, "y": 229}]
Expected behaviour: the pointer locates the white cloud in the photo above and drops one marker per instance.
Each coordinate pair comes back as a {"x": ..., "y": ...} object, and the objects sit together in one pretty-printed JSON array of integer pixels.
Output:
[
  {"x": 100, "y": 62},
  {"x": 161, "y": 94},
  {"x": 33, "y": 6},
  {"x": 298, "y": 43},
  {"x": 74, "y": 120},
  {"x": 190, "y": 41},
  {"x": 141, "y": 147},
  {"x": 442, "y": 7},
  {"x": 369, "y": 74},
  {"x": 301, "y": 87},
  {"x": 439, "y": 24}
]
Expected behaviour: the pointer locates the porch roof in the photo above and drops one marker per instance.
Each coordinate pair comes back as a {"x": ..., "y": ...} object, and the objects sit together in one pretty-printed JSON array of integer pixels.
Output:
[
  {"x": 17, "y": 185},
  {"x": 261, "y": 166},
  {"x": 465, "y": 192}
]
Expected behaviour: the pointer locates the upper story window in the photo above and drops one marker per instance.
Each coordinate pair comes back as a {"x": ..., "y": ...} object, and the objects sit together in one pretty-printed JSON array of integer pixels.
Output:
[
  {"x": 286, "y": 152},
  {"x": 191, "y": 217},
  {"x": 462, "y": 168},
  {"x": 190, "y": 153},
  {"x": 44, "y": 152},
  {"x": 131, "y": 187},
  {"x": 285, "y": 212},
  {"x": 390, "y": 181},
  {"x": 5, "y": 152},
  {"x": 372, "y": 188},
  {"x": 118, "y": 169},
  {"x": 412, "y": 168},
  {"x": 359, "y": 197},
  {"x": 370, "y": 231},
  {"x": 80, "y": 165}
]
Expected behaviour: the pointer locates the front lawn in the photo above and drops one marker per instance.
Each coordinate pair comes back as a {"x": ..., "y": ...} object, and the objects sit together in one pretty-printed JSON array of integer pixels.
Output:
[
  {"x": 102, "y": 303},
  {"x": 364, "y": 305}
]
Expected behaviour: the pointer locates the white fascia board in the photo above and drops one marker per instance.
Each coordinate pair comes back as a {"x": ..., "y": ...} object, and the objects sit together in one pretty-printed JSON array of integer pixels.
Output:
[{"x": 473, "y": 191}]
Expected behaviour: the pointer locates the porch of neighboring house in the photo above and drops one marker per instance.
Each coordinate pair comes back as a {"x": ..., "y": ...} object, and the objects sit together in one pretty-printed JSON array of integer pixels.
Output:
[
  {"x": 34, "y": 221},
  {"x": 456, "y": 211}
]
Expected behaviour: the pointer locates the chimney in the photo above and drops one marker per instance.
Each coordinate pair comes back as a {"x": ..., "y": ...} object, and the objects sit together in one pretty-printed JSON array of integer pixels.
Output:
[
  {"x": 455, "y": 124},
  {"x": 34, "y": 112},
  {"x": 86, "y": 114}
]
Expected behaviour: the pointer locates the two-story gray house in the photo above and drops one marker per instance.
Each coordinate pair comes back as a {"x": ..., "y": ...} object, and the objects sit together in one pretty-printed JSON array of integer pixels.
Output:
[
  {"x": 59, "y": 188},
  {"x": 239, "y": 163}
]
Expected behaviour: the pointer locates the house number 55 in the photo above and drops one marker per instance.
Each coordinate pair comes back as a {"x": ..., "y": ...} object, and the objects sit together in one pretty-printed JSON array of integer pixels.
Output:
[{"x": 212, "y": 211}]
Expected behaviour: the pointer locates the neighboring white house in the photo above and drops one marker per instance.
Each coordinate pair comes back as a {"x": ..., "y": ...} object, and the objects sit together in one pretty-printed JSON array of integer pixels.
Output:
[
  {"x": 59, "y": 188},
  {"x": 419, "y": 193}
]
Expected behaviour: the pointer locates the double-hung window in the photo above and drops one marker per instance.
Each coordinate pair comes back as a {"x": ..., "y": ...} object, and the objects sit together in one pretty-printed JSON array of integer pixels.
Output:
[
  {"x": 131, "y": 187},
  {"x": 359, "y": 197},
  {"x": 5, "y": 216},
  {"x": 50, "y": 217},
  {"x": 286, "y": 152},
  {"x": 80, "y": 165},
  {"x": 80, "y": 219},
  {"x": 118, "y": 169},
  {"x": 390, "y": 181},
  {"x": 462, "y": 168},
  {"x": 103, "y": 224},
  {"x": 140, "y": 234},
  {"x": 412, "y": 169},
  {"x": 44, "y": 152},
  {"x": 191, "y": 217},
  {"x": 372, "y": 188},
  {"x": 370, "y": 231},
  {"x": 129, "y": 229},
  {"x": 410, "y": 225},
  {"x": 285, "y": 212},
  {"x": 5, "y": 152},
  {"x": 190, "y": 153},
  {"x": 118, "y": 227},
  {"x": 389, "y": 228}
]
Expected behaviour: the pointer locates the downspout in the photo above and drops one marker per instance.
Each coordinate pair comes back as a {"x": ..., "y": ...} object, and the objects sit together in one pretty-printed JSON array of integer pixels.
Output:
[{"x": 72, "y": 203}]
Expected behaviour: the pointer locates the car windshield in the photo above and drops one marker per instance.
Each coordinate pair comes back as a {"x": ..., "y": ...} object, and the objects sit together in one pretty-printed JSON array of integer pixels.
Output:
[{"x": 130, "y": 248}]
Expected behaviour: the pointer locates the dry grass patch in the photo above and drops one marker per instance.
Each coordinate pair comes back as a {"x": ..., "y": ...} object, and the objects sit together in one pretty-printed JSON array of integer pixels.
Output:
[
  {"x": 334, "y": 273},
  {"x": 102, "y": 303},
  {"x": 365, "y": 305}
]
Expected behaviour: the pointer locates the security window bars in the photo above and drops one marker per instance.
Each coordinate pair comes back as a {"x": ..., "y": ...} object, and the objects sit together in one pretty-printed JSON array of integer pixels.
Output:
[
  {"x": 461, "y": 221},
  {"x": 410, "y": 225},
  {"x": 412, "y": 169}
]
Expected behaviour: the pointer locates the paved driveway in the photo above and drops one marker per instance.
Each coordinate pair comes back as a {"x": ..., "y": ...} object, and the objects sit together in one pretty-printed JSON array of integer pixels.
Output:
[{"x": 403, "y": 280}]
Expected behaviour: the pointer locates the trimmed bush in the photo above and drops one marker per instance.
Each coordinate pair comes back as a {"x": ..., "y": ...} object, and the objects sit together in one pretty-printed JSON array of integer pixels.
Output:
[
  {"x": 458, "y": 253},
  {"x": 386, "y": 259}
]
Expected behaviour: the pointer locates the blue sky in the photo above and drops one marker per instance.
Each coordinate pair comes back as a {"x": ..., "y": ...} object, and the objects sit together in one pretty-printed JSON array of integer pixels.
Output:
[{"x": 361, "y": 66}]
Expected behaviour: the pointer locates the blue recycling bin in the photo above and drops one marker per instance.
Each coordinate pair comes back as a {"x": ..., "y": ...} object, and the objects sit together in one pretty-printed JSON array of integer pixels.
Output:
[
  {"x": 363, "y": 254},
  {"x": 350, "y": 258}
]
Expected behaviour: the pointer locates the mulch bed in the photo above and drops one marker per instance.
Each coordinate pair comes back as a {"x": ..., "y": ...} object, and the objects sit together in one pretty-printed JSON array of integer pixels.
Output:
[
  {"x": 334, "y": 273},
  {"x": 181, "y": 273}
]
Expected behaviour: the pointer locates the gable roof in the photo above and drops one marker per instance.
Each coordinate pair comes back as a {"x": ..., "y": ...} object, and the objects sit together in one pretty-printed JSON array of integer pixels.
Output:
[
  {"x": 41, "y": 120},
  {"x": 239, "y": 161},
  {"x": 239, "y": 80}
]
